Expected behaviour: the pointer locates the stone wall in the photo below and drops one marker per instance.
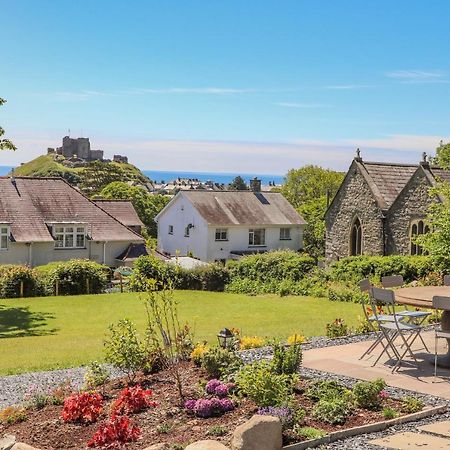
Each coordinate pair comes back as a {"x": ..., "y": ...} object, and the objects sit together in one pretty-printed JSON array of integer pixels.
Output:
[
  {"x": 411, "y": 204},
  {"x": 354, "y": 199}
]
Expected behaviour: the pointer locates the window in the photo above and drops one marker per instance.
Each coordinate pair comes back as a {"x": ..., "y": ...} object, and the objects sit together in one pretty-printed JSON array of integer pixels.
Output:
[
  {"x": 69, "y": 236},
  {"x": 221, "y": 234},
  {"x": 257, "y": 236},
  {"x": 356, "y": 238},
  {"x": 285, "y": 234},
  {"x": 186, "y": 231},
  {"x": 170, "y": 229},
  {"x": 417, "y": 228},
  {"x": 4, "y": 234}
]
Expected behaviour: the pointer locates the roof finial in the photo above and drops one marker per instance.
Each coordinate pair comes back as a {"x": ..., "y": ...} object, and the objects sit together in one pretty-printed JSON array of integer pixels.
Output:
[
  {"x": 424, "y": 157},
  {"x": 358, "y": 155}
]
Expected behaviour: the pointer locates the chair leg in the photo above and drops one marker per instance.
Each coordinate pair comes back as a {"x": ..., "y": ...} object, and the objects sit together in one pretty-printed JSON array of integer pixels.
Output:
[
  {"x": 389, "y": 343},
  {"x": 435, "y": 356},
  {"x": 408, "y": 350}
]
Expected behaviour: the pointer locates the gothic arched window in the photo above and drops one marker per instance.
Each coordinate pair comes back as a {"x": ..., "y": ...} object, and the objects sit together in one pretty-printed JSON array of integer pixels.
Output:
[
  {"x": 356, "y": 238},
  {"x": 417, "y": 228}
]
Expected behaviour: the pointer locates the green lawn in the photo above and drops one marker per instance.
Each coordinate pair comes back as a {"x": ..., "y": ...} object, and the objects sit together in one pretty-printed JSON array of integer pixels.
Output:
[{"x": 56, "y": 332}]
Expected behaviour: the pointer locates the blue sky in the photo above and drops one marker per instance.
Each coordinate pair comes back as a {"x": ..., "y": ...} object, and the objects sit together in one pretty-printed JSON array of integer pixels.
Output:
[{"x": 227, "y": 86}]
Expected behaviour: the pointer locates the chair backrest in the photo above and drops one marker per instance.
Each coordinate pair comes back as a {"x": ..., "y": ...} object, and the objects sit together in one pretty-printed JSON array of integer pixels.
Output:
[
  {"x": 440, "y": 302},
  {"x": 384, "y": 296},
  {"x": 365, "y": 285},
  {"x": 392, "y": 281},
  {"x": 446, "y": 280}
]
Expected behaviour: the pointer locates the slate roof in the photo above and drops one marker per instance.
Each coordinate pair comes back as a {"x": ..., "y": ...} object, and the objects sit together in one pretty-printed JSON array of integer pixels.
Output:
[
  {"x": 243, "y": 208},
  {"x": 31, "y": 205},
  {"x": 132, "y": 252},
  {"x": 122, "y": 210}
]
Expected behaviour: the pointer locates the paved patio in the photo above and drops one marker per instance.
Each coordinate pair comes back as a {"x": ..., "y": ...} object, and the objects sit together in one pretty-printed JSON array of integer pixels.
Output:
[{"x": 344, "y": 360}]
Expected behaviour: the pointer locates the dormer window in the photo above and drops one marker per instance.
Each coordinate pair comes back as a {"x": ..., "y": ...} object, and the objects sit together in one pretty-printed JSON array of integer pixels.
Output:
[
  {"x": 69, "y": 236},
  {"x": 4, "y": 237}
]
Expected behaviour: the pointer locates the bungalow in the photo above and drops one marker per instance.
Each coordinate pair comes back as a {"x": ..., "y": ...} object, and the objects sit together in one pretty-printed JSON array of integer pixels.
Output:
[
  {"x": 222, "y": 225},
  {"x": 46, "y": 219}
]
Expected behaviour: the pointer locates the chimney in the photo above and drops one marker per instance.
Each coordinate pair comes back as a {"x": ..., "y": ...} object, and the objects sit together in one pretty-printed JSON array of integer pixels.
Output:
[{"x": 255, "y": 185}]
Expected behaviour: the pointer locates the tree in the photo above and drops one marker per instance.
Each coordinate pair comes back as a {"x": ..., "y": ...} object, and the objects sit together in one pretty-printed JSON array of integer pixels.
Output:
[
  {"x": 442, "y": 158},
  {"x": 5, "y": 144},
  {"x": 147, "y": 206},
  {"x": 238, "y": 184},
  {"x": 307, "y": 189},
  {"x": 97, "y": 174}
]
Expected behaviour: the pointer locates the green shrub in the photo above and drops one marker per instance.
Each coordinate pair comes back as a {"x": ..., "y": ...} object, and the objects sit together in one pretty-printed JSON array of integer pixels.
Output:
[
  {"x": 213, "y": 277},
  {"x": 266, "y": 388},
  {"x": 124, "y": 349},
  {"x": 219, "y": 362},
  {"x": 367, "y": 393},
  {"x": 325, "y": 389},
  {"x": 11, "y": 278},
  {"x": 309, "y": 433},
  {"x": 411, "y": 404},
  {"x": 151, "y": 268},
  {"x": 74, "y": 277},
  {"x": 389, "y": 413},
  {"x": 333, "y": 411},
  {"x": 96, "y": 375},
  {"x": 346, "y": 294},
  {"x": 337, "y": 328},
  {"x": 286, "y": 360}
]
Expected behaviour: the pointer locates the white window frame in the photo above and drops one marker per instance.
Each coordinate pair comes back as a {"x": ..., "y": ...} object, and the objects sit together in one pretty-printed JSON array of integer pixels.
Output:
[
  {"x": 4, "y": 237},
  {"x": 68, "y": 235},
  {"x": 251, "y": 237},
  {"x": 285, "y": 234},
  {"x": 221, "y": 234},
  {"x": 170, "y": 229}
]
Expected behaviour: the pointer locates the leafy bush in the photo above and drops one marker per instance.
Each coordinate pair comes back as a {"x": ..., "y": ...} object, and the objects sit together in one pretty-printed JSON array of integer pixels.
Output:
[
  {"x": 74, "y": 277},
  {"x": 310, "y": 432},
  {"x": 213, "y": 277},
  {"x": 132, "y": 400},
  {"x": 115, "y": 433},
  {"x": 367, "y": 393},
  {"x": 198, "y": 353},
  {"x": 389, "y": 413},
  {"x": 325, "y": 389},
  {"x": 266, "y": 388},
  {"x": 337, "y": 328},
  {"x": 288, "y": 360},
  {"x": 219, "y": 361},
  {"x": 11, "y": 278},
  {"x": 85, "y": 407},
  {"x": 248, "y": 342},
  {"x": 96, "y": 375},
  {"x": 124, "y": 349},
  {"x": 13, "y": 414},
  {"x": 346, "y": 294},
  {"x": 411, "y": 404},
  {"x": 333, "y": 411},
  {"x": 151, "y": 268}
]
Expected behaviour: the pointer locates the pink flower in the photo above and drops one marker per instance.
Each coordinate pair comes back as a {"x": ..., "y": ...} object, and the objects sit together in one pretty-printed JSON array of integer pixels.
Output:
[{"x": 384, "y": 394}]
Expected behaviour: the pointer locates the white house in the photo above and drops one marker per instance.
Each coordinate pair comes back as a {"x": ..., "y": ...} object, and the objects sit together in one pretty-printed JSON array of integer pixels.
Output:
[{"x": 222, "y": 225}]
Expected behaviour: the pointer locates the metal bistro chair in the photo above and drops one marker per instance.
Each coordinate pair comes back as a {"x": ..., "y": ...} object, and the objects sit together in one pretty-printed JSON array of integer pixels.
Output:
[
  {"x": 415, "y": 317},
  {"x": 365, "y": 287},
  {"x": 439, "y": 302},
  {"x": 408, "y": 332}
]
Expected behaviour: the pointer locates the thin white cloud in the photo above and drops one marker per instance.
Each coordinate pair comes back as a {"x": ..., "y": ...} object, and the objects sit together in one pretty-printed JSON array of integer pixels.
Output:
[
  {"x": 419, "y": 76},
  {"x": 350, "y": 86},
  {"x": 302, "y": 105}
]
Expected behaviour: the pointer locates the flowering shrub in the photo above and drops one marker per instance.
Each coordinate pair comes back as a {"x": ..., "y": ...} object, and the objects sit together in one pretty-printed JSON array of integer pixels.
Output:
[
  {"x": 13, "y": 414},
  {"x": 337, "y": 328},
  {"x": 132, "y": 400},
  {"x": 198, "y": 352},
  {"x": 115, "y": 433},
  {"x": 216, "y": 387},
  {"x": 296, "y": 339},
  {"x": 370, "y": 394},
  {"x": 84, "y": 407},
  {"x": 209, "y": 407},
  {"x": 248, "y": 342},
  {"x": 284, "y": 413}
]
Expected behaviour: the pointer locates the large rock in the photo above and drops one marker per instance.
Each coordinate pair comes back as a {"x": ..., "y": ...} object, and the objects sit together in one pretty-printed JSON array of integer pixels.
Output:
[
  {"x": 162, "y": 446},
  {"x": 258, "y": 433},
  {"x": 7, "y": 441},
  {"x": 22, "y": 446},
  {"x": 206, "y": 445}
]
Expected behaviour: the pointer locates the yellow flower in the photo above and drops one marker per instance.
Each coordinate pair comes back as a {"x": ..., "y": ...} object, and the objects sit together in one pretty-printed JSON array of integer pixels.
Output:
[
  {"x": 296, "y": 339},
  {"x": 198, "y": 352},
  {"x": 251, "y": 342}
]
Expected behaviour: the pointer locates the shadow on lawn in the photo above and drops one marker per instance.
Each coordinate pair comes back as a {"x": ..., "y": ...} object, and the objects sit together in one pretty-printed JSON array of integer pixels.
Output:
[{"x": 21, "y": 322}]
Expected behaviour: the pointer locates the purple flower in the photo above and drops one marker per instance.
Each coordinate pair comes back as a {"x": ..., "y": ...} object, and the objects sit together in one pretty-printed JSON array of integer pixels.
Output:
[
  {"x": 221, "y": 390},
  {"x": 226, "y": 404},
  {"x": 190, "y": 404},
  {"x": 212, "y": 385},
  {"x": 284, "y": 413},
  {"x": 203, "y": 408}
]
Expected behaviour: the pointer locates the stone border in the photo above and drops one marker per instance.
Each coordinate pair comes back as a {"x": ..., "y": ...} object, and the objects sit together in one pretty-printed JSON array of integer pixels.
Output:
[{"x": 364, "y": 429}]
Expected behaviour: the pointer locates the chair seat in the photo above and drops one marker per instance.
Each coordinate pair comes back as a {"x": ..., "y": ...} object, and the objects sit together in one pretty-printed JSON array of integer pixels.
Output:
[
  {"x": 385, "y": 318},
  {"x": 414, "y": 313},
  {"x": 402, "y": 326}
]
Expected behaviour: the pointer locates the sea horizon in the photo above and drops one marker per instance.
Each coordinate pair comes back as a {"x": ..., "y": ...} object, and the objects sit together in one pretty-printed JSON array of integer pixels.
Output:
[{"x": 218, "y": 177}]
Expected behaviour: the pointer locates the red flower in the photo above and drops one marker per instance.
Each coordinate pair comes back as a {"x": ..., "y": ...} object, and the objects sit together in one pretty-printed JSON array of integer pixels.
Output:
[
  {"x": 113, "y": 434},
  {"x": 85, "y": 407},
  {"x": 132, "y": 400}
]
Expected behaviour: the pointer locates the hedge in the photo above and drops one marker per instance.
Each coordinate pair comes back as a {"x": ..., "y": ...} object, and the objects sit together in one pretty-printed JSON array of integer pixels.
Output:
[{"x": 12, "y": 277}]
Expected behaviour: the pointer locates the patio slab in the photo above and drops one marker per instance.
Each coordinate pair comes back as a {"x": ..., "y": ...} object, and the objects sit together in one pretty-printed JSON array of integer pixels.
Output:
[
  {"x": 442, "y": 428},
  {"x": 412, "y": 441},
  {"x": 419, "y": 377}
]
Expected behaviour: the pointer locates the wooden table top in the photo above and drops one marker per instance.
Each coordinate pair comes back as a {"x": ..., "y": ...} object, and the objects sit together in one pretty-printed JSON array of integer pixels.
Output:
[{"x": 421, "y": 296}]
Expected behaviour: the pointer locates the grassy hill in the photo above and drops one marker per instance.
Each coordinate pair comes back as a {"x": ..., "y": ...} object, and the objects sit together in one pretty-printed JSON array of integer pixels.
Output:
[{"x": 50, "y": 166}]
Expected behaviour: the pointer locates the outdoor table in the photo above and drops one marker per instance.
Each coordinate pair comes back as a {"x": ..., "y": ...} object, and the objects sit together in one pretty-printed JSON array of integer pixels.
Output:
[{"x": 422, "y": 297}]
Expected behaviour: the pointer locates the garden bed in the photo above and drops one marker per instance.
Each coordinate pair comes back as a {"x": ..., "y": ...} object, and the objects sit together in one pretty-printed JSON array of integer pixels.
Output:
[{"x": 170, "y": 421}]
